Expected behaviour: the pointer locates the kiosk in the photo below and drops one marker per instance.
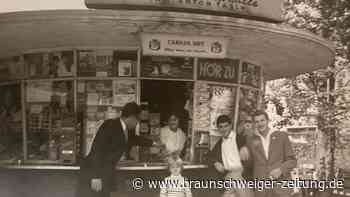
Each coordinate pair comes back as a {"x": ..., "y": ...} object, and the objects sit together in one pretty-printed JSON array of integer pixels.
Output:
[{"x": 63, "y": 72}]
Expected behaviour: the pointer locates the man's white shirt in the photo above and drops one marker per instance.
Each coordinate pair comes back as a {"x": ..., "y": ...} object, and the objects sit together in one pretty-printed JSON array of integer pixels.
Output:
[
  {"x": 265, "y": 142},
  {"x": 230, "y": 153}
]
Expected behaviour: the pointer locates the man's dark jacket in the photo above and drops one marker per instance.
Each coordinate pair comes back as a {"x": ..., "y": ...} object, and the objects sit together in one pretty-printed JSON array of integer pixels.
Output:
[
  {"x": 108, "y": 147},
  {"x": 215, "y": 155}
]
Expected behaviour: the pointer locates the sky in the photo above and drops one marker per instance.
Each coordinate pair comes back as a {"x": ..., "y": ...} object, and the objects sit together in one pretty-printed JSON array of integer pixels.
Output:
[{"x": 24, "y": 5}]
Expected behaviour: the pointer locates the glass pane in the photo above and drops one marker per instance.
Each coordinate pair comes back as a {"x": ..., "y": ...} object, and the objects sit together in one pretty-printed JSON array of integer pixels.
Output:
[
  {"x": 37, "y": 65},
  {"x": 62, "y": 64},
  {"x": 167, "y": 67},
  {"x": 54, "y": 64},
  {"x": 11, "y": 141},
  {"x": 11, "y": 68},
  {"x": 248, "y": 103},
  {"x": 101, "y": 100},
  {"x": 51, "y": 121},
  {"x": 125, "y": 63},
  {"x": 251, "y": 75},
  {"x": 97, "y": 63},
  {"x": 211, "y": 102}
]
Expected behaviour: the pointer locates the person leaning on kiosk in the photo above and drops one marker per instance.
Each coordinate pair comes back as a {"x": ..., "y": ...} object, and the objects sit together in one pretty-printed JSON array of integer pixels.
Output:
[
  {"x": 272, "y": 155},
  {"x": 226, "y": 156},
  {"x": 111, "y": 142}
]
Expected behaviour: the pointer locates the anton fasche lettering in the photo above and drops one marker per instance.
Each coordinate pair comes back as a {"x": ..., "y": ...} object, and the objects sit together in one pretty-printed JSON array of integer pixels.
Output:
[{"x": 221, "y": 3}]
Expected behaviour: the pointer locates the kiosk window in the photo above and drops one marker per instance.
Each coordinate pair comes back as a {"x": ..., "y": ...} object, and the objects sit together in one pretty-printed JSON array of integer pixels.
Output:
[
  {"x": 11, "y": 122},
  {"x": 51, "y": 121},
  {"x": 166, "y": 107}
]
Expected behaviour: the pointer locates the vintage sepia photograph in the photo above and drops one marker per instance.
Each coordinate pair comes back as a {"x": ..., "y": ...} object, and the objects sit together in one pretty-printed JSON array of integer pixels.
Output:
[{"x": 175, "y": 98}]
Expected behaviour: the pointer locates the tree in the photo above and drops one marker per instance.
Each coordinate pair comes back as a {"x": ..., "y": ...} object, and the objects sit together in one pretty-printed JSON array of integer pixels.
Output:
[{"x": 322, "y": 92}]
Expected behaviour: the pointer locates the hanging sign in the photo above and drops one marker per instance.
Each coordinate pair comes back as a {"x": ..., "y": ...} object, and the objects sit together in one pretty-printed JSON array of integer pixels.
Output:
[
  {"x": 179, "y": 45},
  {"x": 219, "y": 70},
  {"x": 260, "y": 9}
]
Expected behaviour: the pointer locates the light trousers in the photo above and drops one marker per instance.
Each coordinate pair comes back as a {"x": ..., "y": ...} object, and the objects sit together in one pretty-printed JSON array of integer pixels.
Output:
[{"x": 236, "y": 191}]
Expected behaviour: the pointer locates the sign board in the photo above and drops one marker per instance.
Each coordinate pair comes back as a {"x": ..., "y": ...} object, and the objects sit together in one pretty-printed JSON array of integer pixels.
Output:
[
  {"x": 188, "y": 46},
  {"x": 260, "y": 9},
  {"x": 219, "y": 70}
]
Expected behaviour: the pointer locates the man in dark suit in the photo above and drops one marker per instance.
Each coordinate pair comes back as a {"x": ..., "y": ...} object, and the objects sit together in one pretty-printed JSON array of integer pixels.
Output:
[
  {"x": 226, "y": 156},
  {"x": 272, "y": 155},
  {"x": 111, "y": 142}
]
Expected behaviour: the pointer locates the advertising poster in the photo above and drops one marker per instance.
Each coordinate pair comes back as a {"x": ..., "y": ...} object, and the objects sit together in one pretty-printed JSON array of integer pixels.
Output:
[
  {"x": 251, "y": 75},
  {"x": 202, "y": 109},
  {"x": 125, "y": 86},
  {"x": 62, "y": 64},
  {"x": 11, "y": 68},
  {"x": 125, "y": 63},
  {"x": 211, "y": 102},
  {"x": 63, "y": 96},
  {"x": 99, "y": 92},
  {"x": 125, "y": 68},
  {"x": 86, "y": 63},
  {"x": 248, "y": 103},
  {"x": 104, "y": 63},
  {"x": 167, "y": 67},
  {"x": 39, "y": 91},
  {"x": 4, "y": 69},
  {"x": 38, "y": 64},
  {"x": 124, "y": 92},
  {"x": 92, "y": 99},
  {"x": 10, "y": 102},
  {"x": 222, "y": 102}
]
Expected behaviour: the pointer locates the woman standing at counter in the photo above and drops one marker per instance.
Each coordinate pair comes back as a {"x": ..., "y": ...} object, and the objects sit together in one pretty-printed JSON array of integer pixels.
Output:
[{"x": 172, "y": 136}]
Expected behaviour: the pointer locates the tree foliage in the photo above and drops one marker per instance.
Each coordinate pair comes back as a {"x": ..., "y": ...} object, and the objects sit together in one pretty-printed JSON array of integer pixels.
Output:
[{"x": 322, "y": 93}]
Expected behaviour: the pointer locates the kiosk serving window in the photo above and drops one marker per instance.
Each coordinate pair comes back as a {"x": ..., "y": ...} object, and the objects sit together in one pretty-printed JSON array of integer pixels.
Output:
[
  {"x": 67, "y": 94},
  {"x": 166, "y": 104}
]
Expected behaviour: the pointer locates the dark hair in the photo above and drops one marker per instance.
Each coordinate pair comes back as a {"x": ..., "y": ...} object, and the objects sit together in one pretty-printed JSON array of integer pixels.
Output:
[
  {"x": 223, "y": 119},
  {"x": 177, "y": 115},
  {"x": 55, "y": 58},
  {"x": 259, "y": 113},
  {"x": 131, "y": 109}
]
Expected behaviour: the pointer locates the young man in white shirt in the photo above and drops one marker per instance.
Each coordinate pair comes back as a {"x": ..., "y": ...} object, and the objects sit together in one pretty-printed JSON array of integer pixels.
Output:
[
  {"x": 227, "y": 154},
  {"x": 272, "y": 155}
]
